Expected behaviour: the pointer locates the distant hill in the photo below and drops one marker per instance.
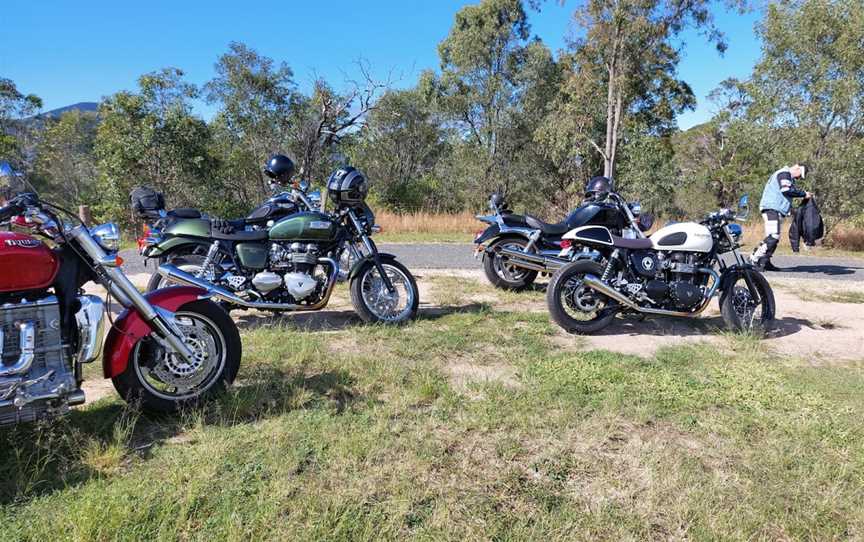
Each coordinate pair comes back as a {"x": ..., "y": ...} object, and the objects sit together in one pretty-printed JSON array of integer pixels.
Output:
[{"x": 84, "y": 107}]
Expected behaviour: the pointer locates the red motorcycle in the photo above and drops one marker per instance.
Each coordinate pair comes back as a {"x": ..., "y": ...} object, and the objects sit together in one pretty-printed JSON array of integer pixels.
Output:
[{"x": 170, "y": 348}]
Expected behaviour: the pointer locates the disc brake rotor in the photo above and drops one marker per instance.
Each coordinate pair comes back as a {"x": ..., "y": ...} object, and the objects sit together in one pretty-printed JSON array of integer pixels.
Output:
[
  {"x": 176, "y": 371},
  {"x": 580, "y": 298}
]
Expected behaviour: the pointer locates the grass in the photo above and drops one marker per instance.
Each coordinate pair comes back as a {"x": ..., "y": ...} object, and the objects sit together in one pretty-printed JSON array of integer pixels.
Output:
[{"x": 366, "y": 433}]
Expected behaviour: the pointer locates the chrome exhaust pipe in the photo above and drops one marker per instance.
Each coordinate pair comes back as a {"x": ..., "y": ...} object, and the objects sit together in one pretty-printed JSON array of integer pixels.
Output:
[
  {"x": 534, "y": 262},
  {"x": 599, "y": 286},
  {"x": 176, "y": 275}
]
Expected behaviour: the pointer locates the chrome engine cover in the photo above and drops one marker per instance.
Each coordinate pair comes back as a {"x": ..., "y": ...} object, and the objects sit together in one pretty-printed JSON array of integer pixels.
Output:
[
  {"x": 300, "y": 285},
  {"x": 28, "y": 393},
  {"x": 266, "y": 281}
]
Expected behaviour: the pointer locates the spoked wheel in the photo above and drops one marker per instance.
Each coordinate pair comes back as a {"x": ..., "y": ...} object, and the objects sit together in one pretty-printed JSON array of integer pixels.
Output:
[
  {"x": 576, "y": 307},
  {"x": 741, "y": 311},
  {"x": 164, "y": 382},
  {"x": 375, "y": 303},
  {"x": 502, "y": 274}
]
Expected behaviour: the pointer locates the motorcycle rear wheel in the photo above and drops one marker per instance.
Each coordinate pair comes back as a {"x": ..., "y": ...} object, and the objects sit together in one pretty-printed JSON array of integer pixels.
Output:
[
  {"x": 503, "y": 275},
  {"x": 573, "y": 306}
]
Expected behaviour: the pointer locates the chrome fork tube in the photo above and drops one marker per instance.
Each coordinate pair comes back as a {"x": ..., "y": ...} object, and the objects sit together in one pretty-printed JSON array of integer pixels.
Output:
[{"x": 131, "y": 297}]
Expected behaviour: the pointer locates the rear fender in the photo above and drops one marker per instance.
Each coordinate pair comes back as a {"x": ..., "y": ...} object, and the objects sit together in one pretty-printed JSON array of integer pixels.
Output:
[
  {"x": 129, "y": 327},
  {"x": 172, "y": 244},
  {"x": 489, "y": 233}
]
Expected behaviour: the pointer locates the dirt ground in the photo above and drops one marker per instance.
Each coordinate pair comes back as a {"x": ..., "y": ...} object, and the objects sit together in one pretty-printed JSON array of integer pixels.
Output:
[{"x": 809, "y": 325}]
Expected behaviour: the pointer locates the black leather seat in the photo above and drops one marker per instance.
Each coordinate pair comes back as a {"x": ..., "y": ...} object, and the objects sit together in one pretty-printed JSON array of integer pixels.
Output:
[
  {"x": 184, "y": 212},
  {"x": 513, "y": 220},
  {"x": 631, "y": 244},
  {"x": 549, "y": 229},
  {"x": 239, "y": 235}
]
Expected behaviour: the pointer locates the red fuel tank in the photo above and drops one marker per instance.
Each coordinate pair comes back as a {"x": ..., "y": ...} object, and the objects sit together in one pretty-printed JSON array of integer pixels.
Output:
[{"x": 26, "y": 263}]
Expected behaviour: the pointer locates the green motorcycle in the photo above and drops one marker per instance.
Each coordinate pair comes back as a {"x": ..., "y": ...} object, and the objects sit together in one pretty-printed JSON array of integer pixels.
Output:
[{"x": 294, "y": 264}]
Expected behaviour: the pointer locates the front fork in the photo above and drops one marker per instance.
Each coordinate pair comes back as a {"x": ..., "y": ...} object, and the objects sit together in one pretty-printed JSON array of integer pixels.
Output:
[
  {"x": 370, "y": 248},
  {"x": 119, "y": 285}
]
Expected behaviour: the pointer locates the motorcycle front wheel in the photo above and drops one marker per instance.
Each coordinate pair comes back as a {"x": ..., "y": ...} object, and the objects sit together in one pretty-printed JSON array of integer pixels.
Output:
[
  {"x": 576, "y": 307},
  {"x": 743, "y": 313},
  {"x": 165, "y": 383},
  {"x": 372, "y": 300}
]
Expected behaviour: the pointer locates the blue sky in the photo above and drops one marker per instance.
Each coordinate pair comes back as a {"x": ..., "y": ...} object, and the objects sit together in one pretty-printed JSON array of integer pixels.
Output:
[{"x": 71, "y": 51}]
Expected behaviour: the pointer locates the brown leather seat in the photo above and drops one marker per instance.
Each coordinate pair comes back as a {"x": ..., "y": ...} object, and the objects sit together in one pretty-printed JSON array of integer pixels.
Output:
[{"x": 631, "y": 244}]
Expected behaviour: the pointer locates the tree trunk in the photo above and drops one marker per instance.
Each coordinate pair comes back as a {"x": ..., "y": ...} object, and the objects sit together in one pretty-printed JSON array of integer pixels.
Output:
[{"x": 608, "y": 163}]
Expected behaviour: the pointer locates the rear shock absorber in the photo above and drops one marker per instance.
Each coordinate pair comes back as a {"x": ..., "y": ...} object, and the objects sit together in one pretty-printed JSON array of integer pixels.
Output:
[
  {"x": 610, "y": 265},
  {"x": 208, "y": 260}
]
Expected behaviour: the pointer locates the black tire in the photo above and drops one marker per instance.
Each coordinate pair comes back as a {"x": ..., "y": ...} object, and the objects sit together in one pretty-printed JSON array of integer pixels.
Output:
[
  {"x": 734, "y": 305},
  {"x": 362, "y": 308},
  {"x": 498, "y": 274},
  {"x": 557, "y": 288},
  {"x": 133, "y": 386}
]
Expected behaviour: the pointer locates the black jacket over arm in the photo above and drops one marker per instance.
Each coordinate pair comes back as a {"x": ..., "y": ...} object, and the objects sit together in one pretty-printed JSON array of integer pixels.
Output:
[{"x": 807, "y": 224}]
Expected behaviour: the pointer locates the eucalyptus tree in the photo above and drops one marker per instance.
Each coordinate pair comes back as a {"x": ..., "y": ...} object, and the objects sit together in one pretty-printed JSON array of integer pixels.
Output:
[{"x": 152, "y": 137}]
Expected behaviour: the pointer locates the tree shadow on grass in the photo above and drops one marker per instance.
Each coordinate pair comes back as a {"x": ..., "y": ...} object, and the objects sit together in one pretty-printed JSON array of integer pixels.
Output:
[{"x": 40, "y": 458}]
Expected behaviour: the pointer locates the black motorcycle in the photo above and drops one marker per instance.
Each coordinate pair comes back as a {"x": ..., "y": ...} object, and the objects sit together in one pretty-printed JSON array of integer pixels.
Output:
[{"x": 515, "y": 248}]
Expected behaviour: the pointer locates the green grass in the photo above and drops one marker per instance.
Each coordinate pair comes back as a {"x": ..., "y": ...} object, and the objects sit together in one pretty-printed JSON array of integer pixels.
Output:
[{"x": 365, "y": 434}]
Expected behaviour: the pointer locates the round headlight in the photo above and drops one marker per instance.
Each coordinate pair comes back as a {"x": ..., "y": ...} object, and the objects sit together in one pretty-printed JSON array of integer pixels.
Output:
[{"x": 107, "y": 235}]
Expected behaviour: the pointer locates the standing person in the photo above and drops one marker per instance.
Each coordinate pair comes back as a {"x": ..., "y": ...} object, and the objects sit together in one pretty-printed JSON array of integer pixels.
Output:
[{"x": 775, "y": 205}]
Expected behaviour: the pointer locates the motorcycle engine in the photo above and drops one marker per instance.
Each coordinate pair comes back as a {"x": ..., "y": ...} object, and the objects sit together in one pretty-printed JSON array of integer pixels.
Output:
[
  {"x": 31, "y": 341},
  {"x": 675, "y": 283},
  {"x": 291, "y": 268}
]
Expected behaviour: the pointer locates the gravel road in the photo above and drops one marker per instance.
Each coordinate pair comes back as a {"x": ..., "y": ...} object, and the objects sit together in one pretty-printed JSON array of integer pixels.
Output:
[{"x": 461, "y": 256}]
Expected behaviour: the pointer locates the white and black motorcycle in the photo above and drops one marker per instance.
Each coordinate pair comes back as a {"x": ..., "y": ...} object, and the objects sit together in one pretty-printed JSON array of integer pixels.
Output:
[{"x": 674, "y": 272}]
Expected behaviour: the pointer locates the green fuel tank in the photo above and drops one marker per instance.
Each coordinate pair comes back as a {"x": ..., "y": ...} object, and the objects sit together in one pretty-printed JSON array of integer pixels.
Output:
[{"x": 308, "y": 226}]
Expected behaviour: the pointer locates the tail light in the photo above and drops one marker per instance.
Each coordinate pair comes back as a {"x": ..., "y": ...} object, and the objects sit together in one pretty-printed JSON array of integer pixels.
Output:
[{"x": 566, "y": 243}]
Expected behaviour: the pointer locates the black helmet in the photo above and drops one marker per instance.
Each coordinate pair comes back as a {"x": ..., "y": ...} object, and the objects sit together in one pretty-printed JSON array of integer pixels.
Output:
[
  {"x": 347, "y": 186},
  {"x": 280, "y": 168},
  {"x": 598, "y": 187}
]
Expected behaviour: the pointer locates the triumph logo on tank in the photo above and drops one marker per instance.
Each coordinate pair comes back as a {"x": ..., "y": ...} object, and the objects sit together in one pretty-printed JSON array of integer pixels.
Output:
[
  {"x": 319, "y": 225},
  {"x": 23, "y": 243}
]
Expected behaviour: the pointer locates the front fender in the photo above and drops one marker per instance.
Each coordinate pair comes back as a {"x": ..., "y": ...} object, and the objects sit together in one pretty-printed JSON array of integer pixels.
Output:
[
  {"x": 129, "y": 327},
  {"x": 360, "y": 263},
  {"x": 730, "y": 275}
]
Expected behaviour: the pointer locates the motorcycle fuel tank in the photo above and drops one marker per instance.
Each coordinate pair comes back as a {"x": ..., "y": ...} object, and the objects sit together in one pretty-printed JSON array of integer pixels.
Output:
[
  {"x": 595, "y": 214},
  {"x": 309, "y": 226},
  {"x": 684, "y": 236},
  {"x": 26, "y": 263}
]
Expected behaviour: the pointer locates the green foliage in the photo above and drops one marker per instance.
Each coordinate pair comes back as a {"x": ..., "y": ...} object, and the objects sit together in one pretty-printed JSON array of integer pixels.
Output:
[
  {"x": 15, "y": 136},
  {"x": 65, "y": 164},
  {"x": 152, "y": 138}
]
